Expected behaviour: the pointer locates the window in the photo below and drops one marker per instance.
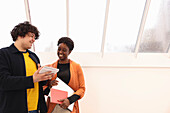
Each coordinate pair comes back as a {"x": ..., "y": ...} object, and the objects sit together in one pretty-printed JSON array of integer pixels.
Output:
[{"x": 11, "y": 15}]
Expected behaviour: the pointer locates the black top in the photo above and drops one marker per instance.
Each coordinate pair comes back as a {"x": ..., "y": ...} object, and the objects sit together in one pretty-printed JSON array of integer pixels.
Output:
[
  {"x": 64, "y": 72},
  {"x": 64, "y": 75},
  {"x": 14, "y": 83}
]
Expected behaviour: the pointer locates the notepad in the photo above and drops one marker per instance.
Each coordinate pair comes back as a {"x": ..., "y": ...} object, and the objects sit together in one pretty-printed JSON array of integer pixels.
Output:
[
  {"x": 57, "y": 95},
  {"x": 64, "y": 87}
]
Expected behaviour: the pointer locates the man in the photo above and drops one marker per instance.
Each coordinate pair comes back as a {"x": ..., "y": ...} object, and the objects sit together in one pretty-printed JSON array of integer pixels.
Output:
[{"x": 20, "y": 82}]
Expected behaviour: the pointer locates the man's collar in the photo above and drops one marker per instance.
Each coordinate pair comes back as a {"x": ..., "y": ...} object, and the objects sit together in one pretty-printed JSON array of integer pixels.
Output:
[{"x": 15, "y": 50}]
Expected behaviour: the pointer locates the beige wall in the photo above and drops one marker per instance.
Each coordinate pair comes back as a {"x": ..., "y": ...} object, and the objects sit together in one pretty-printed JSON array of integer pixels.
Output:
[
  {"x": 122, "y": 83},
  {"x": 126, "y": 90}
]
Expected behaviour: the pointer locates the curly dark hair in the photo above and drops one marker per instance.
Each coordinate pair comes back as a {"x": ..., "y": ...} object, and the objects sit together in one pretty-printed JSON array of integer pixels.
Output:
[
  {"x": 22, "y": 29},
  {"x": 67, "y": 41}
]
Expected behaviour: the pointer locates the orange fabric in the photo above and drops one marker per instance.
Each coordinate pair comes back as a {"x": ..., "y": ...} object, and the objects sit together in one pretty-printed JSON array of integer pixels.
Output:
[{"x": 77, "y": 83}]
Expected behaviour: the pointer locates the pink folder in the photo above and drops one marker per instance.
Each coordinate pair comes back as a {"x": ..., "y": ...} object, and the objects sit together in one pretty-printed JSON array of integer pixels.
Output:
[{"x": 57, "y": 95}]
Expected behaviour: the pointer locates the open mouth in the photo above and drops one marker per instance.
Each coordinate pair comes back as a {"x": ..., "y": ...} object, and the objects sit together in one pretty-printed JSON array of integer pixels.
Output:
[{"x": 60, "y": 55}]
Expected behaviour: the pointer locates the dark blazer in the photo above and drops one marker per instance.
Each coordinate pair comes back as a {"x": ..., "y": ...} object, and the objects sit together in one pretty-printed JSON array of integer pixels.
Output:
[{"x": 14, "y": 83}]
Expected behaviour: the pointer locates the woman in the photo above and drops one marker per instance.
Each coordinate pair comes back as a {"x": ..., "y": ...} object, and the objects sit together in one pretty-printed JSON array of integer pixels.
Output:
[{"x": 69, "y": 72}]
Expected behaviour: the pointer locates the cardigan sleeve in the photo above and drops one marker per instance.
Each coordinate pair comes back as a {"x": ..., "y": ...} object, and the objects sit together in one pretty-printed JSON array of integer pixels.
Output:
[{"x": 81, "y": 87}]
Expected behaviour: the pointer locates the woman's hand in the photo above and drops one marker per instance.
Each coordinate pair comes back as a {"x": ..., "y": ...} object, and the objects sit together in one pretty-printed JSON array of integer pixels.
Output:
[
  {"x": 65, "y": 103},
  {"x": 53, "y": 83}
]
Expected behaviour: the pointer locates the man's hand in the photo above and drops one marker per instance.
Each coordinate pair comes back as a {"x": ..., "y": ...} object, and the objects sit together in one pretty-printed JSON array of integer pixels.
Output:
[{"x": 37, "y": 77}]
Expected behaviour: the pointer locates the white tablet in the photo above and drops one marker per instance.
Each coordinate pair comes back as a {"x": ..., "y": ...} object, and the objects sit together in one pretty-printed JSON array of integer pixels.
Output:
[{"x": 46, "y": 69}]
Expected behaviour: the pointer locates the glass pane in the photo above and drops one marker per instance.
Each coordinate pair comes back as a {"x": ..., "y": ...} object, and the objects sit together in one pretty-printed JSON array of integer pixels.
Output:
[
  {"x": 156, "y": 36},
  {"x": 86, "y": 24},
  {"x": 50, "y": 19},
  {"x": 123, "y": 25},
  {"x": 12, "y": 13}
]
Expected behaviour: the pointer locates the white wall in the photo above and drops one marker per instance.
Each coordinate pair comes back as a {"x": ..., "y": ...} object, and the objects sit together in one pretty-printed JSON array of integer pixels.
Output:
[
  {"x": 126, "y": 90},
  {"x": 121, "y": 83}
]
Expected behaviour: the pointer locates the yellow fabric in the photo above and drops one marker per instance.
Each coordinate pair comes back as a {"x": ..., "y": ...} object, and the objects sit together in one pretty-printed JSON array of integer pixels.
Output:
[{"x": 33, "y": 93}]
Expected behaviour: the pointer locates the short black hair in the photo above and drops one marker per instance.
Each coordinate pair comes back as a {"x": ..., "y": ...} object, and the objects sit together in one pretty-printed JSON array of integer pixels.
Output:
[
  {"x": 67, "y": 41},
  {"x": 22, "y": 29}
]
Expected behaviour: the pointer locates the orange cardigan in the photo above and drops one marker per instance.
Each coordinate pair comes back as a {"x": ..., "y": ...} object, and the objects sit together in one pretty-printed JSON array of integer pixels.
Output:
[{"x": 76, "y": 82}]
